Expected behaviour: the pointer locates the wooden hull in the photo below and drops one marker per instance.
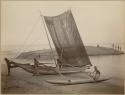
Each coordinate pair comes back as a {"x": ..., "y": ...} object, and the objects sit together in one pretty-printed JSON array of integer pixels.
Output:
[
  {"x": 45, "y": 71},
  {"x": 38, "y": 70}
]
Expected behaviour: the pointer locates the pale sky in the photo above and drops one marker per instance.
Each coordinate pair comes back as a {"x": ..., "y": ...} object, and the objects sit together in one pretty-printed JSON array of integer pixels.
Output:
[{"x": 97, "y": 21}]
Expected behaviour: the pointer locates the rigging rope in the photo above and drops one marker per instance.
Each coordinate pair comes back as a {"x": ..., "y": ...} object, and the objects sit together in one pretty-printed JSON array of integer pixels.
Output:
[
  {"x": 48, "y": 38},
  {"x": 28, "y": 36}
]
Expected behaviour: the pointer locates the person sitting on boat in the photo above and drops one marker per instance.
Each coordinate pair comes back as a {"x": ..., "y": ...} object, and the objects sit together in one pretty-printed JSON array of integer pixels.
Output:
[
  {"x": 59, "y": 62},
  {"x": 93, "y": 72},
  {"x": 36, "y": 63},
  {"x": 96, "y": 73}
]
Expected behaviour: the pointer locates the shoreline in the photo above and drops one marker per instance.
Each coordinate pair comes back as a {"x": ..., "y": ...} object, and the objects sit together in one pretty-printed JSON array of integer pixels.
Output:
[{"x": 91, "y": 51}]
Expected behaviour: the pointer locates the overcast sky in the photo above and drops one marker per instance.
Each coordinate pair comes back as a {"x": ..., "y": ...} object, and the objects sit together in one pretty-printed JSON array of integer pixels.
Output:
[{"x": 97, "y": 21}]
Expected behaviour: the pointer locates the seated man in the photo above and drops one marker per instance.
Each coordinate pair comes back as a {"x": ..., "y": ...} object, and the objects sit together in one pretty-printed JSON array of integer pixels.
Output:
[
  {"x": 96, "y": 73},
  {"x": 36, "y": 72},
  {"x": 59, "y": 62}
]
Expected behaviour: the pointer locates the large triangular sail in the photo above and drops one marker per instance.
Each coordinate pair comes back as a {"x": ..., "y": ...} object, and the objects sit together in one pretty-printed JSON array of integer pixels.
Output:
[{"x": 67, "y": 40}]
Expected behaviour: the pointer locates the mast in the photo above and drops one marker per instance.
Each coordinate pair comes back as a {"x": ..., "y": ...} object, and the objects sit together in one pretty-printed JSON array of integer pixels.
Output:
[
  {"x": 48, "y": 39},
  {"x": 51, "y": 47}
]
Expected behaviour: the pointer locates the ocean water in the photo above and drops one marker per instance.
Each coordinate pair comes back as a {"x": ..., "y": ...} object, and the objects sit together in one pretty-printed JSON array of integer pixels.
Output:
[{"x": 111, "y": 65}]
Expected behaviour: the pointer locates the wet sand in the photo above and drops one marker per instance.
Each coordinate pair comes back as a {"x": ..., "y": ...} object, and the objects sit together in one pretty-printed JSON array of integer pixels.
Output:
[{"x": 21, "y": 82}]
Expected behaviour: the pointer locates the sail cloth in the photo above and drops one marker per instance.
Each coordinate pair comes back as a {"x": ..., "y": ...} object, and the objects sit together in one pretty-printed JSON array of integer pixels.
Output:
[{"x": 66, "y": 38}]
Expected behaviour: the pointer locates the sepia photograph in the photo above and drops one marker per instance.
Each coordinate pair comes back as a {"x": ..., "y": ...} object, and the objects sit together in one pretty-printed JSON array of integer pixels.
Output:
[{"x": 62, "y": 47}]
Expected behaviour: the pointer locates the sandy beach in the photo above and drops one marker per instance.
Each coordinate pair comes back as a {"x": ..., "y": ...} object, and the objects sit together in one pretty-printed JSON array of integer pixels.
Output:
[{"x": 21, "y": 82}]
